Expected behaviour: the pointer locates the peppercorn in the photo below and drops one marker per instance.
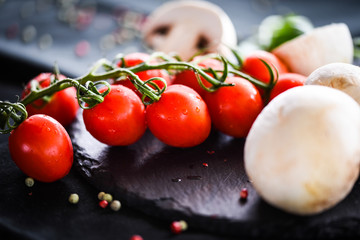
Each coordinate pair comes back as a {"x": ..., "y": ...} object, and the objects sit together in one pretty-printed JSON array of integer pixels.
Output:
[
  {"x": 183, "y": 224},
  {"x": 108, "y": 197},
  {"x": 103, "y": 203},
  {"x": 74, "y": 198},
  {"x": 101, "y": 195},
  {"x": 29, "y": 182},
  {"x": 244, "y": 194},
  {"x": 115, "y": 205},
  {"x": 176, "y": 227}
]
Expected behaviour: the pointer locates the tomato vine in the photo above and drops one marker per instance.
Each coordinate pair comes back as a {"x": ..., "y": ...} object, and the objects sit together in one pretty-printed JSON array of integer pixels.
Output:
[{"x": 88, "y": 96}]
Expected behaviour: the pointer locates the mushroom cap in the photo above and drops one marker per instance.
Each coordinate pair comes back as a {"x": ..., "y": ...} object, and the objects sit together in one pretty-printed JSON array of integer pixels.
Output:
[
  {"x": 323, "y": 45},
  {"x": 342, "y": 76},
  {"x": 186, "y": 26},
  {"x": 302, "y": 153}
]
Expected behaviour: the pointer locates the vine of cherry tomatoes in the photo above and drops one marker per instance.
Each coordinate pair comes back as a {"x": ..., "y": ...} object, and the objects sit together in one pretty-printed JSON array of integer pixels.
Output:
[
  {"x": 182, "y": 116},
  {"x": 62, "y": 105}
]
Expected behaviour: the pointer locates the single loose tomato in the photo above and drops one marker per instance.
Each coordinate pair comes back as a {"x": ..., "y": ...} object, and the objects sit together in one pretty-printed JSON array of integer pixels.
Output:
[
  {"x": 62, "y": 105},
  {"x": 137, "y": 58},
  {"x": 41, "y": 148},
  {"x": 180, "y": 118},
  {"x": 233, "y": 109},
  {"x": 253, "y": 66},
  {"x": 285, "y": 82},
  {"x": 119, "y": 120},
  {"x": 188, "y": 77}
]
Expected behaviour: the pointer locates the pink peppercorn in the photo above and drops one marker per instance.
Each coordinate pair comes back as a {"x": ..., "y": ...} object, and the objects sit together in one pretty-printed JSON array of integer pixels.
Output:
[
  {"x": 103, "y": 203},
  {"x": 176, "y": 227},
  {"x": 244, "y": 194},
  {"x": 136, "y": 237}
]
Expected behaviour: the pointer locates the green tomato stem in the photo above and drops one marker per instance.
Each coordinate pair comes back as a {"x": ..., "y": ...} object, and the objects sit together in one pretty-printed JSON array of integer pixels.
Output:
[{"x": 12, "y": 114}]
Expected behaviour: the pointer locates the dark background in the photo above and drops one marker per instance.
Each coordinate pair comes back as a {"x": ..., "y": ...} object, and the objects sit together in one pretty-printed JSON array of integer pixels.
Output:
[{"x": 34, "y": 34}]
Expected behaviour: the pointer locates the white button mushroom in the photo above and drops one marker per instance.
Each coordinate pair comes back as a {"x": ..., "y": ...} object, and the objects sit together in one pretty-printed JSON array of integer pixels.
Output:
[
  {"x": 302, "y": 153},
  {"x": 323, "y": 45},
  {"x": 342, "y": 76},
  {"x": 185, "y": 27}
]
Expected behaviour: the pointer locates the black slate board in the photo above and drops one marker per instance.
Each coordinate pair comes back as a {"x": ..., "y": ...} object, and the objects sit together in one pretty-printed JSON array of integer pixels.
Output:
[{"x": 146, "y": 176}]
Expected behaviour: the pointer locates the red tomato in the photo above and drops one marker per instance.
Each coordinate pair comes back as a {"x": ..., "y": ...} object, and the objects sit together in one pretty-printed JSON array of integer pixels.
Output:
[
  {"x": 253, "y": 66},
  {"x": 234, "y": 109},
  {"x": 119, "y": 120},
  {"x": 180, "y": 118},
  {"x": 41, "y": 148},
  {"x": 62, "y": 106},
  {"x": 134, "y": 59},
  {"x": 287, "y": 81},
  {"x": 188, "y": 77}
]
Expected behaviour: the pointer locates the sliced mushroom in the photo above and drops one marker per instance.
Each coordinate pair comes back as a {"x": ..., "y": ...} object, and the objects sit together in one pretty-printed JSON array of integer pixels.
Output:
[
  {"x": 323, "y": 45},
  {"x": 185, "y": 27},
  {"x": 342, "y": 76}
]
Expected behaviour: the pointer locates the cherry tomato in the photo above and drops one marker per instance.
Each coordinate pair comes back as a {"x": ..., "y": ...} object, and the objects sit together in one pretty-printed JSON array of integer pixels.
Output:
[
  {"x": 233, "y": 109},
  {"x": 41, "y": 148},
  {"x": 188, "y": 77},
  {"x": 253, "y": 66},
  {"x": 62, "y": 105},
  {"x": 180, "y": 118},
  {"x": 134, "y": 59},
  {"x": 285, "y": 82},
  {"x": 119, "y": 120}
]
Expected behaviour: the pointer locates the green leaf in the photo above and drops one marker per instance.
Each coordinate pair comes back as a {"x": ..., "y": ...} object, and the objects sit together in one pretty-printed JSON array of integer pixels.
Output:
[
  {"x": 356, "y": 47},
  {"x": 276, "y": 30}
]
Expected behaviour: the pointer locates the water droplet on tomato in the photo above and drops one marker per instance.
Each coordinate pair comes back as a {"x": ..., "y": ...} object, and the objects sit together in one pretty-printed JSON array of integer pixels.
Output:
[
  {"x": 185, "y": 111},
  {"x": 111, "y": 131},
  {"x": 48, "y": 129},
  {"x": 197, "y": 109}
]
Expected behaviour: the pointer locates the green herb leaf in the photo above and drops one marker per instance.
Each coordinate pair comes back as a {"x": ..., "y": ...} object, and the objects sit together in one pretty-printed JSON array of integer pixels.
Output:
[{"x": 276, "y": 30}]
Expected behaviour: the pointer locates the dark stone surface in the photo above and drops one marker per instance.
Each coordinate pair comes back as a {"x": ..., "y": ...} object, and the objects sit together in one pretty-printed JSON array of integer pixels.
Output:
[
  {"x": 143, "y": 180},
  {"x": 144, "y": 176}
]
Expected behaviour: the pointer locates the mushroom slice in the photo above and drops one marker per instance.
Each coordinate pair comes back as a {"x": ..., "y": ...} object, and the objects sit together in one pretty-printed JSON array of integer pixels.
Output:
[
  {"x": 185, "y": 27},
  {"x": 323, "y": 45},
  {"x": 342, "y": 76},
  {"x": 302, "y": 153}
]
